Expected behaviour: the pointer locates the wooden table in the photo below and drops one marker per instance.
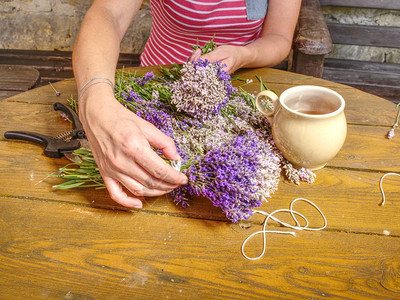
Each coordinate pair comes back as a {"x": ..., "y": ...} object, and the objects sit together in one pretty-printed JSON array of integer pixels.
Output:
[{"x": 67, "y": 245}]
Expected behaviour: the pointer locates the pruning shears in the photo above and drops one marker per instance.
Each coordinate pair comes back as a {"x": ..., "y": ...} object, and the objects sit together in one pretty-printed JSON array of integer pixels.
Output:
[{"x": 61, "y": 145}]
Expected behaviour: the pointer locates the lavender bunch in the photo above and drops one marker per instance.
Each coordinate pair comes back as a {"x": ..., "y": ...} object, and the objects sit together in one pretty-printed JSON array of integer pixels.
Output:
[{"x": 227, "y": 150}]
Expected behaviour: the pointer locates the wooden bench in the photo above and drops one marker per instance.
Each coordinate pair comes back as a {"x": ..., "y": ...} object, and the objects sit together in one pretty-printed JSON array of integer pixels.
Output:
[
  {"x": 52, "y": 65},
  {"x": 16, "y": 79},
  {"x": 379, "y": 78}
]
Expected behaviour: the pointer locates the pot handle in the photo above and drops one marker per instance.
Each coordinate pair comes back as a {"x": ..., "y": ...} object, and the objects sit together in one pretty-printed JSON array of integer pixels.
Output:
[{"x": 266, "y": 102}]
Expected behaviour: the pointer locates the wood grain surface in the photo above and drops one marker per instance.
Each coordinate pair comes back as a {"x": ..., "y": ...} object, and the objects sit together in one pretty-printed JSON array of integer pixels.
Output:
[
  {"x": 18, "y": 78},
  {"x": 78, "y": 244},
  {"x": 62, "y": 250}
]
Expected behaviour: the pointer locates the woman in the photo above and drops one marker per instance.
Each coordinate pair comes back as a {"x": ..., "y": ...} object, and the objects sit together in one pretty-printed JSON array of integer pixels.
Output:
[{"x": 252, "y": 33}]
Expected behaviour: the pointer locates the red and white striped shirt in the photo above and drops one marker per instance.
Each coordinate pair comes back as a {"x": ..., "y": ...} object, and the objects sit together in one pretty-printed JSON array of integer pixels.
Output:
[{"x": 178, "y": 24}]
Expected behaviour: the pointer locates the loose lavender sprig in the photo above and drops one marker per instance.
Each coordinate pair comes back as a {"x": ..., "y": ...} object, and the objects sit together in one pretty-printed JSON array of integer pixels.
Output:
[
  {"x": 84, "y": 173},
  {"x": 208, "y": 47},
  {"x": 391, "y": 134}
]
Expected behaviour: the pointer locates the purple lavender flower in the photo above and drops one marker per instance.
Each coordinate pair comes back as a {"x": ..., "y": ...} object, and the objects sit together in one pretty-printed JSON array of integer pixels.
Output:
[
  {"x": 147, "y": 77},
  {"x": 229, "y": 172},
  {"x": 228, "y": 176},
  {"x": 159, "y": 118},
  {"x": 131, "y": 96}
]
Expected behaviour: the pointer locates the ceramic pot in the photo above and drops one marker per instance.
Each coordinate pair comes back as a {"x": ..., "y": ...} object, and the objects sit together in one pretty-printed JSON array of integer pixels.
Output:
[{"x": 308, "y": 123}]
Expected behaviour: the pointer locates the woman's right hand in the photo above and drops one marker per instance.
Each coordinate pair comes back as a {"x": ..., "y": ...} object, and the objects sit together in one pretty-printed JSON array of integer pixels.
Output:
[{"x": 121, "y": 144}]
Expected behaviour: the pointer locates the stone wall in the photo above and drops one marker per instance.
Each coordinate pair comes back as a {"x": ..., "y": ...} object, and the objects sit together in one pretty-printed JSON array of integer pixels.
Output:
[
  {"x": 53, "y": 25},
  {"x": 376, "y": 17}
]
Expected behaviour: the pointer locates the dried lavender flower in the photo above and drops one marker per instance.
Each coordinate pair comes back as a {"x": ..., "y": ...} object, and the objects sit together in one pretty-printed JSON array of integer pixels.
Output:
[
  {"x": 390, "y": 134},
  {"x": 203, "y": 89}
]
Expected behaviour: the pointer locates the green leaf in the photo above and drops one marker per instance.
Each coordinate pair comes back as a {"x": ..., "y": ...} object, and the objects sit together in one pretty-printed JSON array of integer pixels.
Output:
[{"x": 68, "y": 185}]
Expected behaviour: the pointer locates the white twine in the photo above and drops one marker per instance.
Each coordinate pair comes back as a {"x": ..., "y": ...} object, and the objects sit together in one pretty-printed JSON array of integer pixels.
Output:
[
  {"x": 176, "y": 164},
  {"x": 381, "y": 188},
  {"x": 296, "y": 227}
]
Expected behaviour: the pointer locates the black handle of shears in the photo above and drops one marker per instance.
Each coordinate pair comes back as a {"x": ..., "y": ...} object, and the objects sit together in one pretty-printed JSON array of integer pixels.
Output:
[
  {"x": 54, "y": 148},
  {"x": 77, "y": 131}
]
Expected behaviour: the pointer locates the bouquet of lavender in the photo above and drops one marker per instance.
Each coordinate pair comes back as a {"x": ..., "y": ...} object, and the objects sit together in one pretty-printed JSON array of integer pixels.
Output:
[{"x": 227, "y": 150}]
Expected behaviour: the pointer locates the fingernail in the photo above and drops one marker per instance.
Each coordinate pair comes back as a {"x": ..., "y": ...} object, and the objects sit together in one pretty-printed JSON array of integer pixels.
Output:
[
  {"x": 184, "y": 179},
  {"x": 138, "y": 205}
]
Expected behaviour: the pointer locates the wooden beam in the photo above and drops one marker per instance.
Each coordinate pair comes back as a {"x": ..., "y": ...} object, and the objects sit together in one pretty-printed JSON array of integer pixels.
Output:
[
  {"x": 378, "y": 36},
  {"x": 384, "y": 4}
]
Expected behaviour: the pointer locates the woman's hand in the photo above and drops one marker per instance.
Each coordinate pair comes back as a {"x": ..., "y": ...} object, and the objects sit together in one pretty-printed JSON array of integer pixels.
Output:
[
  {"x": 121, "y": 144},
  {"x": 120, "y": 141},
  {"x": 231, "y": 56}
]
